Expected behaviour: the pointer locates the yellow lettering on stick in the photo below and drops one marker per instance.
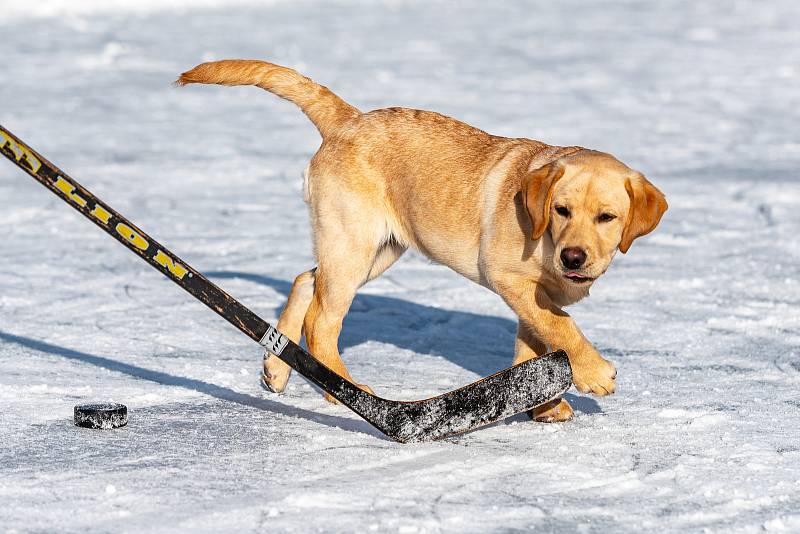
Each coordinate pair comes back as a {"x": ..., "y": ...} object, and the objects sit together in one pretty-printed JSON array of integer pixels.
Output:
[
  {"x": 15, "y": 148},
  {"x": 100, "y": 213},
  {"x": 20, "y": 151},
  {"x": 171, "y": 265},
  {"x": 132, "y": 236},
  {"x": 69, "y": 190}
]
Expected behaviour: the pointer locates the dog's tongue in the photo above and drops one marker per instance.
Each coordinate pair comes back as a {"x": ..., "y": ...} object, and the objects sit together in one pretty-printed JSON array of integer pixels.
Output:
[{"x": 576, "y": 276}]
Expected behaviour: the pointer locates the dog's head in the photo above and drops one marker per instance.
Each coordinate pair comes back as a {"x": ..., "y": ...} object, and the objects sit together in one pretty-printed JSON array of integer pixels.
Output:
[{"x": 591, "y": 204}]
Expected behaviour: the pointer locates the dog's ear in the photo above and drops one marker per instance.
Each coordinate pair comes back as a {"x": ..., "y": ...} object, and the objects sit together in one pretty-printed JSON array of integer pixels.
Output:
[
  {"x": 647, "y": 206},
  {"x": 537, "y": 192}
]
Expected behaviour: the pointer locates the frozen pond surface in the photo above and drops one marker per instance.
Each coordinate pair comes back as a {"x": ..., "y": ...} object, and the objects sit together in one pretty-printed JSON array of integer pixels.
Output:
[{"x": 701, "y": 318}]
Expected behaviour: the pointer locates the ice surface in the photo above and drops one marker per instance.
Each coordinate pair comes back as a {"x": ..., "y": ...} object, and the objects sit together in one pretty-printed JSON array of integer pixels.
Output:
[{"x": 701, "y": 318}]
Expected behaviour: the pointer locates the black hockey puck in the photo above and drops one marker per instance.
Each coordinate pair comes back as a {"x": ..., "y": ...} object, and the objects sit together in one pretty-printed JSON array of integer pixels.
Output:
[{"x": 104, "y": 415}]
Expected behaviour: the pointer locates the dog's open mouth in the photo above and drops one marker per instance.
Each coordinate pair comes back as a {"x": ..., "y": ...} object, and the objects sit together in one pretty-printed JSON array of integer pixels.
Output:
[{"x": 577, "y": 278}]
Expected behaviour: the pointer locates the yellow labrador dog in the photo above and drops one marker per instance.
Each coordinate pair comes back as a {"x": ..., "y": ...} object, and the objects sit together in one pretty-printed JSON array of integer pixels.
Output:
[{"x": 536, "y": 224}]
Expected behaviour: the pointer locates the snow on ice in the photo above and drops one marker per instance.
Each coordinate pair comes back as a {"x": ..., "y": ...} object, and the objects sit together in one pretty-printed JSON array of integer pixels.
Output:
[{"x": 701, "y": 318}]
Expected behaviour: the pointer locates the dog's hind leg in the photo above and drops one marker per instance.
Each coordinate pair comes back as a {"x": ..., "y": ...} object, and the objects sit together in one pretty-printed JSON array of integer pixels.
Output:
[
  {"x": 276, "y": 372},
  {"x": 352, "y": 248},
  {"x": 528, "y": 346},
  {"x": 334, "y": 290}
]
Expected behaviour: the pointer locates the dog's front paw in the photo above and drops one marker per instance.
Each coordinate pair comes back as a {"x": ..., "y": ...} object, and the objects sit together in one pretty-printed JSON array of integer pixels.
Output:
[
  {"x": 594, "y": 375},
  {"x": 555, "y": 411},
  {"x": 276, "y": 373}
]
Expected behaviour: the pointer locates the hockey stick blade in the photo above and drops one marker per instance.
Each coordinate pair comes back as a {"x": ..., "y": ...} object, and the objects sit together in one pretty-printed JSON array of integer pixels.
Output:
[
  {"x": 508, "y": 392},
  {"x": 496, "y": 397}
]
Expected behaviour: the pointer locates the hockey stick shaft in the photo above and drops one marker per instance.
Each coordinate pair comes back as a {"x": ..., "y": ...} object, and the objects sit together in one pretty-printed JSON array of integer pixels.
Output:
[
  {"x": 167, "y": 263},
  {"x": 131, "y": 236}
]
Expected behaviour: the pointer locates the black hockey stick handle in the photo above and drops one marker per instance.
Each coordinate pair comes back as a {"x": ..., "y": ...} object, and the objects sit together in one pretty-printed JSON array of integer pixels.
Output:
[{"x": 131, "y": 236}]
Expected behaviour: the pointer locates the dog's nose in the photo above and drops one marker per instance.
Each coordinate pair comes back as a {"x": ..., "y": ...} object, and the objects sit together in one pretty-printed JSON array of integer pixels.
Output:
[{"x": 573, "y": 257}]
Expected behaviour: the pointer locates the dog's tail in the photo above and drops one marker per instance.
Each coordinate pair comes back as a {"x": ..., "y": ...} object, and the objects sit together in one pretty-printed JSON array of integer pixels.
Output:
[{"x": 327, "y": 111}]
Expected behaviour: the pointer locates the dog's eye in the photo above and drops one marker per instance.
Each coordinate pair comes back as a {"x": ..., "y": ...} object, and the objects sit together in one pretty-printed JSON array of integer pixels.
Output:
[
  {"x": 561, "y": 210},
  {"x": 605, "y": 217}
]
